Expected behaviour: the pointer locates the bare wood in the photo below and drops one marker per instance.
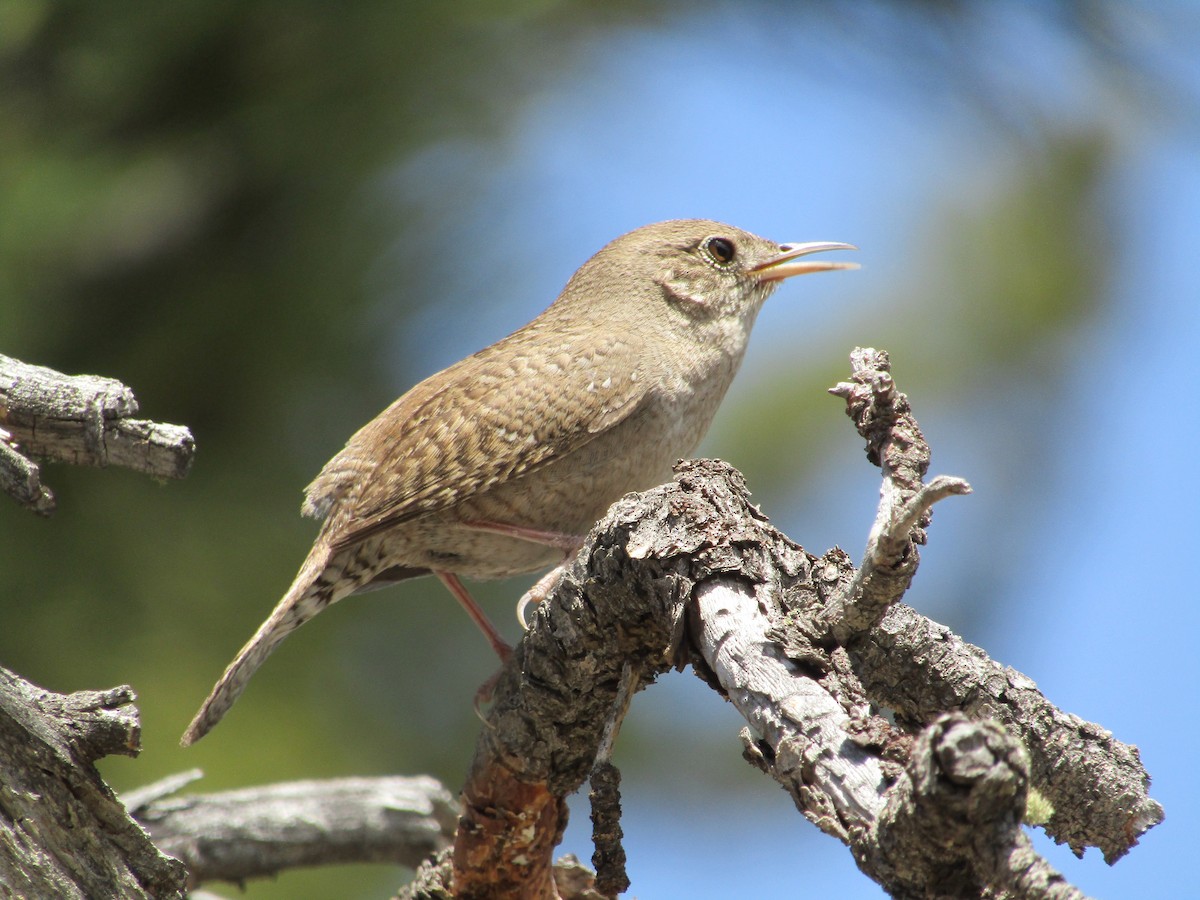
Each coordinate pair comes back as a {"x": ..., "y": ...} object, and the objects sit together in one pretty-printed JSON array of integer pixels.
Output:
[
  {"x": 1069, "y": 757},
  {"x": 63, "y": 833},
  {"x": 84, "y": 420},
  {"x": 883, "y": 416},
  {"x": 257, "y": 832},
  {"x": 803, "y": 645},
  {"x": 696, "y": 553},
  {"x": 435, "y": 881},
  {"x": 795, "y": 722},
  {"x": 952, "y": 826},
  {"x": 1097, "y": 785}
]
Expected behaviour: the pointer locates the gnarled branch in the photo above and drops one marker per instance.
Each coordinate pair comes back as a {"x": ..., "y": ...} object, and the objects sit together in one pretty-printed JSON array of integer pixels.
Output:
[
  {"x": 256, "y": 832},
  {"x": 84, "y": 420},
  {"x": 691, "y": 572},
  {"x": 63, "y": 833},
  {"x": 806, "y": 647}
]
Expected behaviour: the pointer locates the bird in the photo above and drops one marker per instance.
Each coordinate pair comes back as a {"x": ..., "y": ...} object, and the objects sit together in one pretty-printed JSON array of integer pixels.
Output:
[{"x": 498, "y": 465}]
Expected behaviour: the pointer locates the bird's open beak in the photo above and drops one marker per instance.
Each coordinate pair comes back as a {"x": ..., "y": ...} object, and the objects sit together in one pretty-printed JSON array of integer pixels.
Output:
[{"x": 780, "y": 267}]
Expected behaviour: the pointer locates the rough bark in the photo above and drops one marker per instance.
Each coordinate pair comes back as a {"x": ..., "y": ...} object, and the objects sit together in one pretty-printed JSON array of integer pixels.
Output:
[
  {"x": 435, "y": 879},
  {"x": 84, "y": 420},
  {"x": 1096, "y": 784},
  {"x": 63, "y": 833},
  {"x": 808, "y": 648}
]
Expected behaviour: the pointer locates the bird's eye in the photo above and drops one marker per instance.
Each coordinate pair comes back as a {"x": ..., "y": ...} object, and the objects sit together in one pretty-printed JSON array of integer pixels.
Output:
[{"x": 720, "y": 249}]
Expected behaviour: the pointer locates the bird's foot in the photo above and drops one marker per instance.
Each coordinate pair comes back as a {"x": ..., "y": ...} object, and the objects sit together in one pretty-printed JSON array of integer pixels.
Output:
[{"x": 540, "y": 591}]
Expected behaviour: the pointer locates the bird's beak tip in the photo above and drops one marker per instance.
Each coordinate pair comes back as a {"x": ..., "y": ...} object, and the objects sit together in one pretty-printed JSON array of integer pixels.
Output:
[{"x": 782, "y": 266}]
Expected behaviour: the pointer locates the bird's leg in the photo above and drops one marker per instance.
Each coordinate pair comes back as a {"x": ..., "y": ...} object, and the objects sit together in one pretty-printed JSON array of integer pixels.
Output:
[
  {"x": 569, "y": 544},
  {"x": 478, "y": 616}
]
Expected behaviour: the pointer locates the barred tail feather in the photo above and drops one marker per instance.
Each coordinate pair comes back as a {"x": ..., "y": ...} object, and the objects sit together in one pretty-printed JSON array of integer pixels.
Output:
[{"x": 311, "y": 592}]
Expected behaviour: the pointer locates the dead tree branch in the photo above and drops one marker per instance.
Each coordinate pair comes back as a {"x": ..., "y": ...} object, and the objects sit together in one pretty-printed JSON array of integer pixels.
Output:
[
  {"x": 63, "y": 833},
  {"x": 691, "y": 572},
  {"x": 257, "y": 832},
  {"x": 895, "y": 443},
  {"x": 84, "y": 420},
  {"x": 808, "y": 648}
]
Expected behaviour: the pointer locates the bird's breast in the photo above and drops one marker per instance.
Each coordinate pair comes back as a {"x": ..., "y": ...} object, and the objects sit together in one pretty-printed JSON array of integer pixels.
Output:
[{"x": 567, "y": 494}]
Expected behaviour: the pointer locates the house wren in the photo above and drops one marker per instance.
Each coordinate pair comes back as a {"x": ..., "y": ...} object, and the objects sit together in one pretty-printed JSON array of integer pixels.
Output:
[{"x": 500, "y": 464}]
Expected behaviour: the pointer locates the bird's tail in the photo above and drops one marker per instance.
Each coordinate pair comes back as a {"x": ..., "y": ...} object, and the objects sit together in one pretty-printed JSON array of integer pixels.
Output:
[{"x": 317, "y": 585}]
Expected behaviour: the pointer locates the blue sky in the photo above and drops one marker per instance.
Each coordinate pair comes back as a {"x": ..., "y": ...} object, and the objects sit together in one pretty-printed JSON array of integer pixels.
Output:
[{"x": 780, "y": 125}]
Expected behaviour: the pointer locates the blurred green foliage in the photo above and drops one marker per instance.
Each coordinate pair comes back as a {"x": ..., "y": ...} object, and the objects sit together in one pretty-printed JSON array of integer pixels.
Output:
[{"x": 187, "y": 206}]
